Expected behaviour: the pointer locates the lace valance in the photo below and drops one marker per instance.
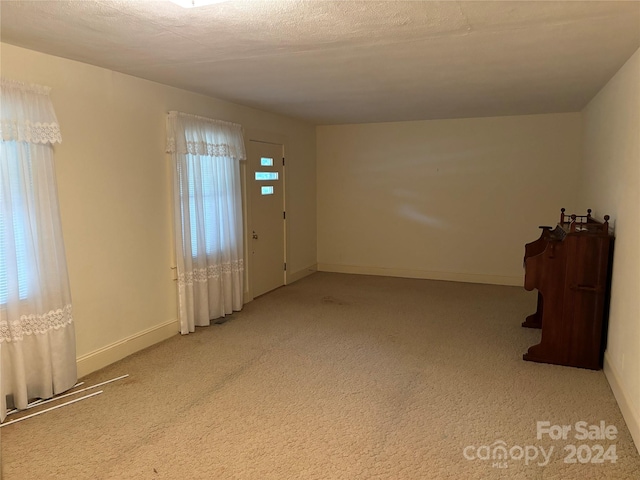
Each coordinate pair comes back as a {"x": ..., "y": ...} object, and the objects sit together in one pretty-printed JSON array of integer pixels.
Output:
[
  {"x": 191, "y": 134},
  {"x": 27, "y": 114}
]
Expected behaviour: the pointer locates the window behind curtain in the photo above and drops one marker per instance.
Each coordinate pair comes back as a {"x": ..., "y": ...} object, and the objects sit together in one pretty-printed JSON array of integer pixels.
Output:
[
  {"x": 13, "y": 231},
  {"x": 205, "y": 176}
]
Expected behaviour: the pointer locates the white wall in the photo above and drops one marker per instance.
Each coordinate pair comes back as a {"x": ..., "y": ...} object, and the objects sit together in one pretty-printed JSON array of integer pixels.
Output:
[
  {"x": 443, "y": 199},
  {"x": 611, "y": 184},
  {"x": 115, "y": 192}
]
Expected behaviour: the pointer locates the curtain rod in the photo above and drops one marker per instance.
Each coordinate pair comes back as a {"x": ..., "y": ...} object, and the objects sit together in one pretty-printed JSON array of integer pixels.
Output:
[
  {"x": 25, "y": 86},
  {"x": 175, "y": 113}
]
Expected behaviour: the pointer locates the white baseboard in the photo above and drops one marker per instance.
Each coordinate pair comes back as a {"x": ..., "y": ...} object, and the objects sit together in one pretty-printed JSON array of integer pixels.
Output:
[
  {"x": 631, "y": 417},
  {"x": 300, "y": 274},
  {"x": 424, "y": 274},
  {"x": 109, "y": 354}
]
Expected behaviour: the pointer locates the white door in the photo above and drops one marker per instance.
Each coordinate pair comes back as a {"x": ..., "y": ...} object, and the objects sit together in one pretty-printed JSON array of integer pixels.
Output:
[{"x": 266, "y": 232}]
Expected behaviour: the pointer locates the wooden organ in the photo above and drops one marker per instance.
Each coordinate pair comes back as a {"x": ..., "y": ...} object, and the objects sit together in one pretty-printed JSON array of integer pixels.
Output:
[{"x": 569, "y": 265}]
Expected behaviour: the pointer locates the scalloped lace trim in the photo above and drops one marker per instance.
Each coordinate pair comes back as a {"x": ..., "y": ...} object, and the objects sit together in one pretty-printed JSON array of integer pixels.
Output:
[
  {"x": 30, "y": 132},
  {"x": 201, "y": 148},
  {"x": 35, "y": 324},
  {"x": 202, "y": 275}
]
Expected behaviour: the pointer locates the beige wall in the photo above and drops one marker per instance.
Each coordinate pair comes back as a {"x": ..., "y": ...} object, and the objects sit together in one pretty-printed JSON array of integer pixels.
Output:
[
  {"x": 443, "y": 199},
  {"x": 115, "y": 193},
  {"x": 611, "y": 185}
]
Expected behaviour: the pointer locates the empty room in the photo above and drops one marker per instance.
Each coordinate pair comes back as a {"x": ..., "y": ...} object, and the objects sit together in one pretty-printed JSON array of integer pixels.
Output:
[{"x": 319, "y": 239}]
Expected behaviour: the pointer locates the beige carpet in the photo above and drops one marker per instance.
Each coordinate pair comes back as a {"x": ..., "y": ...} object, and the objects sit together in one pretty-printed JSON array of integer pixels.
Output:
[{"x": 334, "y": 377}]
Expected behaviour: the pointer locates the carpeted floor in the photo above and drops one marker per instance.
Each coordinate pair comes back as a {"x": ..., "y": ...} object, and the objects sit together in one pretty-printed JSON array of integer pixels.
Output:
[{"x": 336, "y": 377}]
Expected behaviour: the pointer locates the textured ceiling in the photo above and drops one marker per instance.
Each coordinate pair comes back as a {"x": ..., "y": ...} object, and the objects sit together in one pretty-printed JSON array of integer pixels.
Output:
[{"x": 334, "y": 62}]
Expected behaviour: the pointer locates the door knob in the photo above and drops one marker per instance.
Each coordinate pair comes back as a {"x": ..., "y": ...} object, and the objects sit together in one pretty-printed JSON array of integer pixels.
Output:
[{"x": 255, "y": 235}]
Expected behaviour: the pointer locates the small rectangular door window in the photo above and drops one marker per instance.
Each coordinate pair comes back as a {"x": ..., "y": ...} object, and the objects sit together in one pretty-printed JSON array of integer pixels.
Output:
[{"x": 267, "y": 175}]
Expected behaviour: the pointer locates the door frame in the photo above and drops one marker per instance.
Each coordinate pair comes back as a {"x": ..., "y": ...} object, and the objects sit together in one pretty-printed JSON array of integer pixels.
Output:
[{"x": 261, "y": 136}]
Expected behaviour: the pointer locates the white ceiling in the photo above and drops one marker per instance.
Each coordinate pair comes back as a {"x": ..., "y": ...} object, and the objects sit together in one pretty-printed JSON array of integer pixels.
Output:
[{"x": 334, "y": 62}]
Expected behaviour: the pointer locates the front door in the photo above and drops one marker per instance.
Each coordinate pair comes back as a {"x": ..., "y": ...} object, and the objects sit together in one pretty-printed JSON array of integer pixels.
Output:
[{"x": 266, "y": 232}]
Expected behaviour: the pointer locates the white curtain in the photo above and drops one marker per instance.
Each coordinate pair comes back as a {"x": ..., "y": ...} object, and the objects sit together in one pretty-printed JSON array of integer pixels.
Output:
[
  {"x": 206, "y": 157},
  {"x": 37, "y": 337}
]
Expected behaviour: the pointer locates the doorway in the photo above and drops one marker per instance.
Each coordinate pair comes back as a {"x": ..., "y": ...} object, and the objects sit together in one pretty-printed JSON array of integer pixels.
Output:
[{"x": 265, "y": 182}]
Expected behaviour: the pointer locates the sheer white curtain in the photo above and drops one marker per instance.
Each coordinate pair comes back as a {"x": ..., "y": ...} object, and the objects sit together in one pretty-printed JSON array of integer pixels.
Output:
[
  {"x": 206, "y": 157},
  {"x": 37, "y": 337}
]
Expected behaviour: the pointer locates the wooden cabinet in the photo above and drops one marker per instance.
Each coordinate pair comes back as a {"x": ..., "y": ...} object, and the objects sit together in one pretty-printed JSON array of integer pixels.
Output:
[{"x": 570, "y": 267}]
